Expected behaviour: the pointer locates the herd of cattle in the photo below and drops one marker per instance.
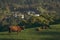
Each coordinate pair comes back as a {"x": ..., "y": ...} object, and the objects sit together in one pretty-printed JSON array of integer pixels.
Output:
[{"x": 18, "y": 28}]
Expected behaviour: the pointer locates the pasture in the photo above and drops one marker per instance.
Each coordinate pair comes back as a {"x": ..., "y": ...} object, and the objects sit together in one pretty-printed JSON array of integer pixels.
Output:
[{"x": 32, "y": 34}]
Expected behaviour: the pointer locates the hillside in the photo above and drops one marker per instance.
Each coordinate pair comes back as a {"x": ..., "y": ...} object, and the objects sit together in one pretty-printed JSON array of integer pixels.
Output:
[
  {"x": 49, "y": 4},
  {"x": 49, "y": 9}
]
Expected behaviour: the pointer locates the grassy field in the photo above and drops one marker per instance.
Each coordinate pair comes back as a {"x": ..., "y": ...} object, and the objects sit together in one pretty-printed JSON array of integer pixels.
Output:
[{"x": 32, "y": 34}]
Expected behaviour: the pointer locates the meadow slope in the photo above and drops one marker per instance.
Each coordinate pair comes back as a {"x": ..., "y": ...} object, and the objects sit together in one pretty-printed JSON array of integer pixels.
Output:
[{"x": 32, "y": 34}]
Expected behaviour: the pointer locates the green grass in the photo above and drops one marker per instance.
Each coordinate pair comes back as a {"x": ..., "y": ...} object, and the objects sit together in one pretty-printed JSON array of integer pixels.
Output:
[{"x": 32, "y": 34}]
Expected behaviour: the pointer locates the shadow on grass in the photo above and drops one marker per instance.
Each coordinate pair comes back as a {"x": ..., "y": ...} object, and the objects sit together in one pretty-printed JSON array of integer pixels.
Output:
[
  {"x": 54, "y": 38},
  {"x": 9, "y": 39},
  {"x": 54, "y": 35},
  {"x": 48, "y": 33},
  {"x": 8, "y": 34}
]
